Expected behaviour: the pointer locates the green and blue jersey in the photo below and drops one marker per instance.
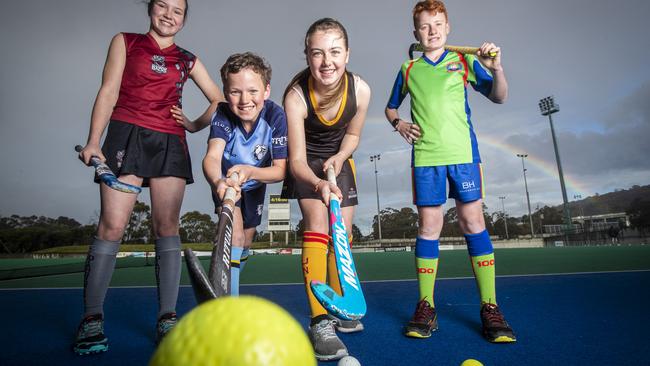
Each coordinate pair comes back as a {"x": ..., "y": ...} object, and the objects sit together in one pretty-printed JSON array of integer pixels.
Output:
[{"x": 439, "y": 106}]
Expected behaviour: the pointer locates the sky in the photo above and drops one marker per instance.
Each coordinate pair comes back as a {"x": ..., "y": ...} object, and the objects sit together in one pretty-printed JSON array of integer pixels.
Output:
[{"x": 590, "y": 55}]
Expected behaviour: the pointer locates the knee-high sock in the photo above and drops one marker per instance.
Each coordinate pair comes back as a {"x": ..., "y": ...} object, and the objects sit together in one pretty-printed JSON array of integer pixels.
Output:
[
  {"x": 168, "y": 272},
  {"x": 332, "y": 270},
  {"x": 482, "y": 257},
  {"x": 426, "y": 265},
  {"x": 235, "y": 269},
  {"x": 314, "y": 262},
  {"x": 100, "y": 263},
  {"x": 244, "y": 259}
]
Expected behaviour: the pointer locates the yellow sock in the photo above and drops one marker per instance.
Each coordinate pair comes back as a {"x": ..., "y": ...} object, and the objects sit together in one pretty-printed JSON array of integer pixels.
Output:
[
  {"x": 332, "y": 271},
  {"x": 314, "y": 261}
]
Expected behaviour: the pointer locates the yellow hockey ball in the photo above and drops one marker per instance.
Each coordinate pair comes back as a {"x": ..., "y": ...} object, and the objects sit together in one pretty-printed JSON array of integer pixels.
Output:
[
  {"x": 471, "y": 362},
  {"x": 236, "y": 331}
]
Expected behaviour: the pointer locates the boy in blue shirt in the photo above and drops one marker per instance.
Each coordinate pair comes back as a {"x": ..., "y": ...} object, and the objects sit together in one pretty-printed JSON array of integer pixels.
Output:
[{"x": 248, "y": 136}]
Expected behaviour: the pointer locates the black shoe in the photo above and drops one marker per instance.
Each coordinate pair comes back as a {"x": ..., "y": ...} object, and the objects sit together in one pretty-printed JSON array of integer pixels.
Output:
[
  {"x": 424, "y": 321},
  {"x": 495, "y": 327},
  {"x": 165, "y": 324},
  {"x": 90, "y": 336}
]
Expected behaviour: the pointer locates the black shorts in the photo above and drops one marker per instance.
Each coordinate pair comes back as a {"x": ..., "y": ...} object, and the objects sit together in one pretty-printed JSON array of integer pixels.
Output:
[
  {"x": 346, "y": 181},
  {"x": 131, "y": 149}
]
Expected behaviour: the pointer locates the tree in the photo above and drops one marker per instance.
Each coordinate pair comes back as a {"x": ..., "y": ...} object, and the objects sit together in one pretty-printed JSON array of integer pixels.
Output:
[
  {"x": 197, "y": 228},
  {"x": 450, "y": 223},
  {"x": 550, "y": 216},
  {"x": 139, "y": 227},
  {"x": 639, "y": 212},
  {"x": 396, "y": 224},
  {"x": 356, "y": 233}
]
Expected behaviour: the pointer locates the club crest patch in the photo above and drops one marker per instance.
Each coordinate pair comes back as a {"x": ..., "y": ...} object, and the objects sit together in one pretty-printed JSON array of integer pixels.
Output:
[
  {"x": 120, "y": 158},
  {"x": 454, "y": 67},
  {"x": 260, "y": 151},
  {"x": 158, "y": 64}
]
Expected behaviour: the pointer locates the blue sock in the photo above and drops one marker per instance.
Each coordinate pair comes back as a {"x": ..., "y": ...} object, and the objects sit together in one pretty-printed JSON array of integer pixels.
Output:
[
  {"x": 235, "y": 269},
  {"x": 244, "y": 259}
]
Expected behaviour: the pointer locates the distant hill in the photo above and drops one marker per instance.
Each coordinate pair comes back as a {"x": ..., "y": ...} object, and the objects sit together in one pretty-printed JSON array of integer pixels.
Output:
[{"x": 617, "y": 201}]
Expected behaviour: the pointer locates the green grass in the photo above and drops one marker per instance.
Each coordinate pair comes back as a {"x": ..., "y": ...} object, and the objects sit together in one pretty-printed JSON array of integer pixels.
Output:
[
  {"x": 128, "y": 248},
  {"x": 264, "y": 269}
]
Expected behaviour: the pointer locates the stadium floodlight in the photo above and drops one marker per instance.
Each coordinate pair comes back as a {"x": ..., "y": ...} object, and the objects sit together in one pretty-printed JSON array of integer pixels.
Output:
[
  {"x": 505, "y": 216},
  {"x": 547, "y": 107},
  {"x": 530, "y": 216},
  {"x": 375, "y": 158}
]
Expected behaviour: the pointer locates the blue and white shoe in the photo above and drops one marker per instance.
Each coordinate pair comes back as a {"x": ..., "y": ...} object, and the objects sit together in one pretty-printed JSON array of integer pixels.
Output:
[
  {"x": 165, "y": 325},
  {"x": 90, "y": 336}
]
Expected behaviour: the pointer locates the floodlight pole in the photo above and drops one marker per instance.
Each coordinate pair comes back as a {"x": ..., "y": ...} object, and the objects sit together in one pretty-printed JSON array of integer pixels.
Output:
[
  {"x": 547, "y": 107},
  {"x": 530, "y": 216},
  {"x": 505, "y": 216},
  {"x": 374, "y": 158}
]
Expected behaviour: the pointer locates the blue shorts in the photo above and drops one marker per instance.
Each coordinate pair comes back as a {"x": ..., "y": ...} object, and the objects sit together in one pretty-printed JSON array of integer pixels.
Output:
[
  {"x": 430, "y": 183},
  {"x": 251, "y": 205}
]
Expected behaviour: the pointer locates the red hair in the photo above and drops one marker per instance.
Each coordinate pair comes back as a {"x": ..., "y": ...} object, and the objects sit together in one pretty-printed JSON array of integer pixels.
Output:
[{"x": 433, "y": 6}]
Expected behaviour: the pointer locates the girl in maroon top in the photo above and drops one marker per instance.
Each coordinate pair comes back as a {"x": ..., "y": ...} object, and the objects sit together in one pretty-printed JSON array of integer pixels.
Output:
[{"x": 140, "y": 101}]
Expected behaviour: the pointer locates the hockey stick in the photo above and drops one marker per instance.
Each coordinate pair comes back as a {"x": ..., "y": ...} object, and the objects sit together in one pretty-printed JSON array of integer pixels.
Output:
[
  {"x": 416, "y": 47},
  {"x": 217, "y": 283},
  {"x": 219, "y": 273},
  {"x": 201, "y": 286},
  {"x": 351, "y": 305},
  {"x": 108, "y": 177}
]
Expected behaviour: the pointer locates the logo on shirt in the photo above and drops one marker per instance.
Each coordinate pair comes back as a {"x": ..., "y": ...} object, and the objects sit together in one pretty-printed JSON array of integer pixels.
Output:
[
  {"x": 158, "y": 64},
  {"x": 279, "y": 141},
  {"x": 260, "y": 151},
  {"x": 454, "y": 66}
]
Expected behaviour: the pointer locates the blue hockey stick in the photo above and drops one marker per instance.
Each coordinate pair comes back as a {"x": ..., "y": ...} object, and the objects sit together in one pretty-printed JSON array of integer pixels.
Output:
[
  {"x": 351, "y": 305},
  {"x": 107, "y": 176}
]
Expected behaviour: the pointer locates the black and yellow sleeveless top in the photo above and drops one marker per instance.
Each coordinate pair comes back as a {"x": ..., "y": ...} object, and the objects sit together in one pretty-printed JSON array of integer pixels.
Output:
[{"x": 323, "y": 137}]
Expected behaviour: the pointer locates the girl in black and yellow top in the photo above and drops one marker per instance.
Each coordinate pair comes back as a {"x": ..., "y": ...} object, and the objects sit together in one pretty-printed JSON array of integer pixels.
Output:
[{"x": 326, "y": 107}]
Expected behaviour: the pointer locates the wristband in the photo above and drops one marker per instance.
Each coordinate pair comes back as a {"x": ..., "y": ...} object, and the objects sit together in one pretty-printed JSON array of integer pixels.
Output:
[{"x": 395, "y": 122}]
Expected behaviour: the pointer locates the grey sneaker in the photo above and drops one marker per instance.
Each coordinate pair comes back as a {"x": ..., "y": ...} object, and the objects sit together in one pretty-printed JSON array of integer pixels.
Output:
[
  {"x": 347, "y": 326},
  {"x": 165, "y": 325},
  {"x": 327, "y": 346}
]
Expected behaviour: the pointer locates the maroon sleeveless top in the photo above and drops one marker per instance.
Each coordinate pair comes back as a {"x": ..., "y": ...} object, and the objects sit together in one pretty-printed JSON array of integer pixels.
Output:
[{"x": 152, "y": 82}]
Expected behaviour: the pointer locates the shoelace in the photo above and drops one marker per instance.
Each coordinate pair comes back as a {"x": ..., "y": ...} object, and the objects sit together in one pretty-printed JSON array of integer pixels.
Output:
[
  {"x": 494, "y": 316},
  {"x": 325, "y": 329},
  {"x": 91, "y": 328},
  {"x": 166, "y": 325},
  {"x": 423, "y": 313}
]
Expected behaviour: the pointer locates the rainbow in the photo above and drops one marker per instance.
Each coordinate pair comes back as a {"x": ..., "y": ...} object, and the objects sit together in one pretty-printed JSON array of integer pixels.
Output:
[{"x": 548, "y": 168}]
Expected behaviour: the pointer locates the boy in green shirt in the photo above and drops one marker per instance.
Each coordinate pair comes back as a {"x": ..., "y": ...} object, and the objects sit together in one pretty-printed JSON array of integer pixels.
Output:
[{"x": 445, "y": 149}]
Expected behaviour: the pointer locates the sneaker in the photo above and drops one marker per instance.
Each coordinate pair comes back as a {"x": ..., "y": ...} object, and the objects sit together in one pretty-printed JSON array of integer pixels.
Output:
[
  {"x": 90, "y": 336},
  {"x": 495, "y": 327},
  {"x": 165, "y": 324},
  {"x": 347, "y": 326},
  {"x": 424, "y": 321},
  {"x": 327, "y": 346}
]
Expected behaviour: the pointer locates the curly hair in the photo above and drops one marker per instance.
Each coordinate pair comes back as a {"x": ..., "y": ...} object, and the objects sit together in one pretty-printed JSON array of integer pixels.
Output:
[{"x": 247, "y": 60}]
